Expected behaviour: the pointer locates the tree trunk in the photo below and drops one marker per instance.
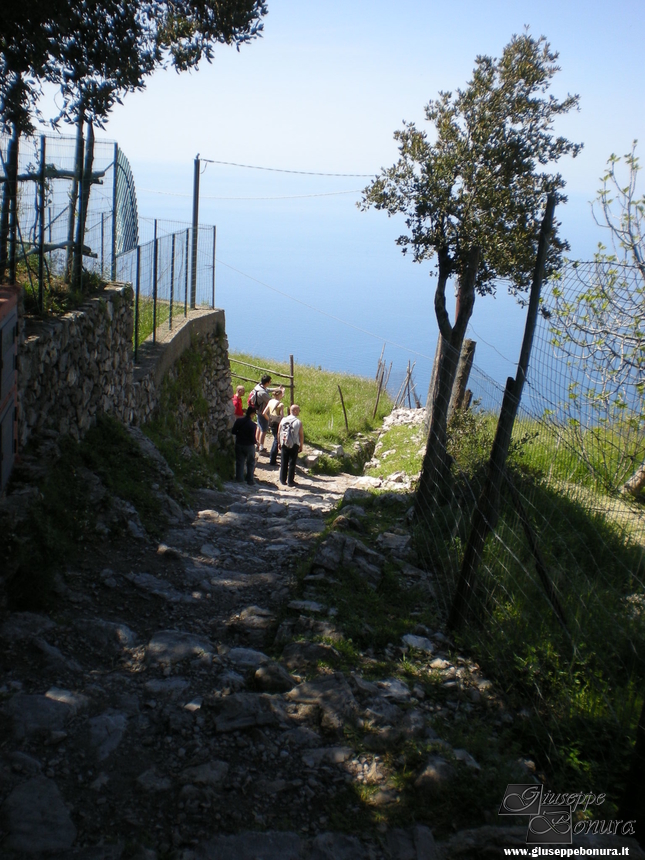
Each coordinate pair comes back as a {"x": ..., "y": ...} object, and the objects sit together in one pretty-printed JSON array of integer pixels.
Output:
[
  {"x": 433, "y": 384},
  {"x": 73, "y": 196},
  {"x": 435, "y": 473},
  {"x": 458, "y": 399},
  {"x": 9, "y": 202},
  {"x": 86, "y": 185}
]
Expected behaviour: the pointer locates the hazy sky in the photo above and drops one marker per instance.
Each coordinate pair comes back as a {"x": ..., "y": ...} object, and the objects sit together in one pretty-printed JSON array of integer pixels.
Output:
[
  {"x": 324, "y": 90},
  {"x": 329, "y": 82}
]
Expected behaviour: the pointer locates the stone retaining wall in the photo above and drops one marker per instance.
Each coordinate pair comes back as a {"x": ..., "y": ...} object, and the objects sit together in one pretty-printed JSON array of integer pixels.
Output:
[{"x": 78, "y": 366}]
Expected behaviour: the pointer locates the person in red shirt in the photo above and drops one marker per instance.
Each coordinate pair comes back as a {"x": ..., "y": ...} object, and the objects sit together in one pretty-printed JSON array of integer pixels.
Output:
[{"x": 237, "y": 401}]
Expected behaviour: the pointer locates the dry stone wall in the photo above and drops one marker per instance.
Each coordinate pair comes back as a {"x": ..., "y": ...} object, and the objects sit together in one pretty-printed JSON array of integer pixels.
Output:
[{"x": 81, "y": 365}]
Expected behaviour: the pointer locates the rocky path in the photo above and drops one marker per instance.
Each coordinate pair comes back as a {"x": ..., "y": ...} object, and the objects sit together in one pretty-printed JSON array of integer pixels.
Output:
[
  {"x": 181, "y": 701},
  {"x": 144, "y": 717}
]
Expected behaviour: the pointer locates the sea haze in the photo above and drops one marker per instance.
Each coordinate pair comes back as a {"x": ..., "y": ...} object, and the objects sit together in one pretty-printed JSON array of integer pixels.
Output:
[{"x": 325, "y": 252}]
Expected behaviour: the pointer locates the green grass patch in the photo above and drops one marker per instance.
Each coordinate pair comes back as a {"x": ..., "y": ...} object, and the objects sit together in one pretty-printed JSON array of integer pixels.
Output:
[
  {"x": 58, "y": 296},
  {"x": 401, "y": 451},
  {"x": 147, "y": 316}
]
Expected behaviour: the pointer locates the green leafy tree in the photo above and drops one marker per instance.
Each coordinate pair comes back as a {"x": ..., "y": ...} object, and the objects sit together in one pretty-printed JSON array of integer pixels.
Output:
[
  {"x": 26, "y": 38},
  {"x": 473, "y": 196}
]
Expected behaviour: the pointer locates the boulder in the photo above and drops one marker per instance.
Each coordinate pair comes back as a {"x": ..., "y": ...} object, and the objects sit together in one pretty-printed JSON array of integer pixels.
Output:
[{"x": 36, "y": 818}]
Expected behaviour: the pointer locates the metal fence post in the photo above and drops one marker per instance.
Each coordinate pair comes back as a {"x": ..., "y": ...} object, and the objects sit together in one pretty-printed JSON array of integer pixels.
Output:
[
  {"x": 102, "y": 244},
  {"x": 136, "y": 303},
  {"x": 186, "y": 275},
  {"x": 193, "y": 262},
  {"x": 155, "y": 253},
  {"x": 41, "y": 225},
  {"x": 172, "y": 278},
  {"x": 114, "y": 179},
  {"x": 214, "y": 245}
]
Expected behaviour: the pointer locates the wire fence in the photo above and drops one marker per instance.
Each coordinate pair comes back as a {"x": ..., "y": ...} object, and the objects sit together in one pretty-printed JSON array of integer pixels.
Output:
[
  {"x": 49, "y": 190},
  {"x": 172, "y": 271},
  {"x": 171, "y": 274},
  {"x": 557, "y": 603}
]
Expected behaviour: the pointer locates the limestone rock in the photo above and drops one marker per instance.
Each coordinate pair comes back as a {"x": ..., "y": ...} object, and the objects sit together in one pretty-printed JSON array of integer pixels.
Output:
[
  {"x": 334, "y": 697},
  {"x": 24, "y": 625},
  {"x": 436, "y": 773},
  {"x": 247, "y": 658},
  {"x": 171, "y": 687},
  {"x": 106, "y": 635},
  {"x": 213, "y": 773},
  {"x": 253, "y": 845},
  {"x": 415, "y": 843},
  {"x": 334, "y": 755},
  {"x": 302, "y": 737},
  {"x": 106, "y": 732},
  {"x": 159, "y": 587},
  {"x": 299, "y": 655},
  {"x": 307, "y": 606},
  {"x": 36, "y": 818},
  {"x": 418, "y": 643},
  {"x": 337, "y": 846},
  {"x": 354, "y": 494},
  {"x": 244, "y": 710},
  {"x": 396, "y": 544},
  {"x": 151, "y": 781},
  {"x": 395, "y": 689},
  {"x": 172, "y": 646},
  {"x": 37, "y": 713},
  {"x": 274, "y": 678}
]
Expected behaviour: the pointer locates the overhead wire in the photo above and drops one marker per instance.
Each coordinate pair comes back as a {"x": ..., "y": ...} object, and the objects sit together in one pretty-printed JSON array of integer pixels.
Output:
[
  {"x": 279, "y": 197},
  {"x": 284, "y": 170}
]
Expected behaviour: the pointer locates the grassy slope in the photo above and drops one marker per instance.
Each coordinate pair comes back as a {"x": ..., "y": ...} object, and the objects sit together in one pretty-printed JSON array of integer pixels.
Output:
[{"x": 316, "y": 391}]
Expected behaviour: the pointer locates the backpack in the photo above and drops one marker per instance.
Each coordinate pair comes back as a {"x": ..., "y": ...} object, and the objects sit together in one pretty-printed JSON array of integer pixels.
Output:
[
  {"x": 289, "y": 433},
  {"x": 253, "y": 399}
]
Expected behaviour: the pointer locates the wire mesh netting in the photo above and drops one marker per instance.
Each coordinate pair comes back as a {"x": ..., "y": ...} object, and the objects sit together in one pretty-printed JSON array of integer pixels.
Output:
[
  {"x": 161, "y": 272},
  {"x": 112, "y": 221},
  {"x": 557, "y": 603},
  {"x": 171, "y": 272}
]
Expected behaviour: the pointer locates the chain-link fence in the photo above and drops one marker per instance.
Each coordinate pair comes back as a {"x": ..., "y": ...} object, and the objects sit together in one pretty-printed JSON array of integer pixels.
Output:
[
  {"x": 556, "y": 603},
  {"x": 171, "y": 274},
  {"x": 51, "y": 171}
]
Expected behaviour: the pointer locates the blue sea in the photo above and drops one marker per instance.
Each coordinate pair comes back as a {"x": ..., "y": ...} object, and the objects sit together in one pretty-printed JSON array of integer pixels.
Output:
[{"x": 315, "y": 277}]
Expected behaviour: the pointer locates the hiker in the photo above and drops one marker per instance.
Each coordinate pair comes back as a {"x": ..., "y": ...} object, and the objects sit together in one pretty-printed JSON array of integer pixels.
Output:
[
  {"x": 274, "y": 413},
  {"x": 259, "y": 398},
  {"x": 237, "y": 401},
  {"x": 244, "y": 432},
  {"x": 291, "y": 438}
]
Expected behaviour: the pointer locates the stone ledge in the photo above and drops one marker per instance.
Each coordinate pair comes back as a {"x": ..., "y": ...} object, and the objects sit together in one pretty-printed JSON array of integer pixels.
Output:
[{"x": 157, "y": 358}]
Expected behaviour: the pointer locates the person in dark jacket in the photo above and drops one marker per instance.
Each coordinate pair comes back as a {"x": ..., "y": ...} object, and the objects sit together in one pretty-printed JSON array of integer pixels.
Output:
[{"x": 244, "y": 431}]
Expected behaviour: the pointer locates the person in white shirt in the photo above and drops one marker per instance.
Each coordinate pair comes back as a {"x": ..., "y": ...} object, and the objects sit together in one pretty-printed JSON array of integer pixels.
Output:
[{"x": 291, "y": 439}]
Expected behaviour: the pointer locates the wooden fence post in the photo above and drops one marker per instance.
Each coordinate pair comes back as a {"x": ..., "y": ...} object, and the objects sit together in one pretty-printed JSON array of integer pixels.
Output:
[
  {"x": 342, "y": 403},
  {"x": 291, "y": 381}
]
